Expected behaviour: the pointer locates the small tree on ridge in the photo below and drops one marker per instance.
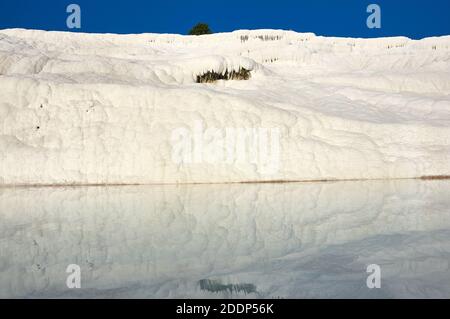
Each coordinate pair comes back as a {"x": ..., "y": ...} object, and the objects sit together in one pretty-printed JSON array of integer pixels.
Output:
[{"x": 199, "y": 29}]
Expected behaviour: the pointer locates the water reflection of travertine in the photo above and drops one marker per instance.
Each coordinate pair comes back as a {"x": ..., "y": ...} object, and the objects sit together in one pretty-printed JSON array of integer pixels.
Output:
[{"x": 286, "y": 240}]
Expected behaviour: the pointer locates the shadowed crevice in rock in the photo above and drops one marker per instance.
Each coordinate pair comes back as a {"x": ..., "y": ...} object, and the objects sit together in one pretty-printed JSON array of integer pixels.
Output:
[{"x": 211, "y": 76}]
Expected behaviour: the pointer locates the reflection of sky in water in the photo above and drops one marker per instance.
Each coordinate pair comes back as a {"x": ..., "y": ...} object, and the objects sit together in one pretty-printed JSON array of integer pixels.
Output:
[{"x": 252, "y": 240}]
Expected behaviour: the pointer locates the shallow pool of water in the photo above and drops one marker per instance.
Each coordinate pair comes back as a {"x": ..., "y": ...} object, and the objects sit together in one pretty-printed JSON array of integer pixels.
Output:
[{"x": 296, "y": 240}]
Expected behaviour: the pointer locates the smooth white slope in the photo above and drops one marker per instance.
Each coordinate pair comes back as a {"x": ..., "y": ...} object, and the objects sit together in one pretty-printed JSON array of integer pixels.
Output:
[{"x": 101, "y": 108}]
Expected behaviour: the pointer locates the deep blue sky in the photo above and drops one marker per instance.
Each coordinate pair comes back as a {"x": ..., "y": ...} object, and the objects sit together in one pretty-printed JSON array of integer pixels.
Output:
[{"x": 412, "y": 18}]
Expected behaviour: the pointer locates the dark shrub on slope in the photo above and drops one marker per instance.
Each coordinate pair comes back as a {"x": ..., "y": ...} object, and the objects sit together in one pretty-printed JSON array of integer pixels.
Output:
[{"x": 199, "y": 29}]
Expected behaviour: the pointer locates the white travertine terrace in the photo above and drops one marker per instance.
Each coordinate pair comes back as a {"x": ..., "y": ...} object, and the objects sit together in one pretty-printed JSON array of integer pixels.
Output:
[{"x": 100, "y": 108}]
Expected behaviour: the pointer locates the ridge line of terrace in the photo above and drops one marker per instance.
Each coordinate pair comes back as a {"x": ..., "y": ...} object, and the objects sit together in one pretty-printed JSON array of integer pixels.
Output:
[{"x": 324, "y": 180}]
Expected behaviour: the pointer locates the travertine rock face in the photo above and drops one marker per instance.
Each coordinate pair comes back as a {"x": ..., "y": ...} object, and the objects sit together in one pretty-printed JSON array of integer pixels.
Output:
[
  {"x": 278, "y": 240},
  {"x": 87, "y": 109}
]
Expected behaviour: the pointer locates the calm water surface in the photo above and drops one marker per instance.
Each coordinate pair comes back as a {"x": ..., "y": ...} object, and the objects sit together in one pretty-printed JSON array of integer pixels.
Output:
[{"x": 299, "y": 240}]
